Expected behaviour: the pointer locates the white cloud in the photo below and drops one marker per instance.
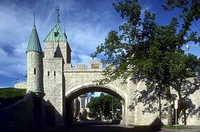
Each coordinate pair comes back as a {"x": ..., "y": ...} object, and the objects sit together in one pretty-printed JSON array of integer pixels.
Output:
[
  {"x": 83, "y": 59},
  {"x": 20, "y": 49},
  {"x": 3, "y": 54},
  {"x": 8, "y": 74},
  {"x": 6, "y": 86},
  {"x": 14, "y": 25},
  {"x": 11, "y": 65},
  {"x": 85, "y": 27},
  {"x": 97, "y": 94}
]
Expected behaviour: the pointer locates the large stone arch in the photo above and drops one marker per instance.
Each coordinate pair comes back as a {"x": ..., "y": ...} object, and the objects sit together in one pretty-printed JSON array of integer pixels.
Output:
[
  {"x": 92, "y": 87},
  {"x": 77, "y": 90}
]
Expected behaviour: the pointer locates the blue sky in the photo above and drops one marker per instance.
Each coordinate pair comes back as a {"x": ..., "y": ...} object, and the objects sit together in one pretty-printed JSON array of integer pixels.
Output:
[{"x": 86, "y": 22}]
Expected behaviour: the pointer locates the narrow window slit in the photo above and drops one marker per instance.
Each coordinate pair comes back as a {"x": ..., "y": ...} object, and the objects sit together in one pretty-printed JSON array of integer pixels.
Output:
[{"x": 34, "y": 71}]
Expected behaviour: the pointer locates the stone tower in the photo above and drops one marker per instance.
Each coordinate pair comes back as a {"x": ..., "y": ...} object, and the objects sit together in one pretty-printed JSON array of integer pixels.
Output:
[
  {"x": 34, "y": 63},
  {"x": 57, "y": 53},
  {"x": 56, "y": 45}
]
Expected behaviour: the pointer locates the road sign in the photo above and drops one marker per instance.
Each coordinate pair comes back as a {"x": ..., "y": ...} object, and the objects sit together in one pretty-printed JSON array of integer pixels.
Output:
[
  {"x": 176, "y": 104},
  {"x": 176, "y": 116}
]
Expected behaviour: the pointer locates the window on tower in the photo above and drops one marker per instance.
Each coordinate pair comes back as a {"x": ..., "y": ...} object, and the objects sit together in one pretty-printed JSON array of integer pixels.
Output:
[
  {"x": 34, "y": 71},
  {"x": 54, "y": 73},
  {"x": 48, "y": 73},
  {"x": 56, "y": 34}
]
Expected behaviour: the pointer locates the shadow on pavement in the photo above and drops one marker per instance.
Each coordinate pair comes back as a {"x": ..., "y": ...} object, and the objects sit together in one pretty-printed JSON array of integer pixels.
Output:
[{"x": 90, "y": 126}]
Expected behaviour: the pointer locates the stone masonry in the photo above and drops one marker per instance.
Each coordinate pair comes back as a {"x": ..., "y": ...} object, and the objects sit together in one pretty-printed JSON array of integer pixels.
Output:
[{"x": 58, "y": 82}]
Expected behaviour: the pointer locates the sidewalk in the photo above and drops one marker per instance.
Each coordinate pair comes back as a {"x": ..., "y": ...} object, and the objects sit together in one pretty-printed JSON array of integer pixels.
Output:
[{"x": 186, "y": 129}]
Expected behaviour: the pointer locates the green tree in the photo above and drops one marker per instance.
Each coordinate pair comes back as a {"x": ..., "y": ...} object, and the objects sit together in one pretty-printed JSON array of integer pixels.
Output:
[
  {"x": 190, "y": 14},
  {"x": 103, "y": 105},
  {"x": 85, "y": 115},
  {"x": 145, "y": 48}
]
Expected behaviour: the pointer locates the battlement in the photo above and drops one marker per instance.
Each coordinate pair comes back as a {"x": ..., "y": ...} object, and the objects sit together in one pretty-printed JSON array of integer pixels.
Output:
[{"x": 92, "y": 65}]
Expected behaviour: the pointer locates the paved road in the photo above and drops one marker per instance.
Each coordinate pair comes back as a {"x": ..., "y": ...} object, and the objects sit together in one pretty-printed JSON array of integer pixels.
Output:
[
  {"x": 105, "y": 127},
  {"x": 94, "y": 126},
  {"x": 89, "y": 126}
]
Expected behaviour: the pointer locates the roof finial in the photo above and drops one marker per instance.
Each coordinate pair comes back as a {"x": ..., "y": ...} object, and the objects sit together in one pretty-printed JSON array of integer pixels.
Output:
[
  {"x": 58, "y": 14},
  {"x": 34, "y": 17}
]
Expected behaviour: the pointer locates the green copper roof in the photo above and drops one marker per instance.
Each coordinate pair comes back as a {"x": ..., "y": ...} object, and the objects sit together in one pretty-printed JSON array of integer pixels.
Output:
[
  {"x": 34, "y": 42},
  {"x": 56, "y": 34}
]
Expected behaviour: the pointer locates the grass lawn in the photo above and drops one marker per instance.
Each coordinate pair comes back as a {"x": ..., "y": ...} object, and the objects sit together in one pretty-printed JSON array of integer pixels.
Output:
[
  {"x": 174, "y": 127},
  {"x": 12, "y": 92}
]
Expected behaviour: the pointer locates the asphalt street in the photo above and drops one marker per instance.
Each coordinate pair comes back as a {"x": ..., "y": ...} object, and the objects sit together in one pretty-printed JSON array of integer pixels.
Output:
[{"x": 97, "y": 126}]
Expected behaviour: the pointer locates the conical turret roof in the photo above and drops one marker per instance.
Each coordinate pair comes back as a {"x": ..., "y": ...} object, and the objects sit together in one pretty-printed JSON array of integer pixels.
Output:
[
  {"x": 56, "y": 34},
  {"x": 34, "y": 42}
]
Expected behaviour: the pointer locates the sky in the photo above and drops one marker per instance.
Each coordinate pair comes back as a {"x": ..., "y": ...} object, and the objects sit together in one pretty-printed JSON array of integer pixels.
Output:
[{"x": 86, "y": 23}]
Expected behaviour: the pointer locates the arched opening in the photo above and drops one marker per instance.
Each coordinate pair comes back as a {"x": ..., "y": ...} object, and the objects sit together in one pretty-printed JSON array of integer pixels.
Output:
[{"x": 75, "y": 92}]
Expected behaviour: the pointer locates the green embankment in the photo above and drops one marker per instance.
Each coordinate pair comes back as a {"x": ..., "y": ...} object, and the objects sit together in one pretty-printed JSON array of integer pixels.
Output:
[
  {"x": 12, "y": 92},
  {"x": 9, "y": 96}
]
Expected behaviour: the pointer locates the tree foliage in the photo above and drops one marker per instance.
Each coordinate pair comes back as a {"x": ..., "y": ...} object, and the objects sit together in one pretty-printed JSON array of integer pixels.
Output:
[
  {"x": 148, "y": 49},
  {"x": 103, "y": 105},
  {"x": 190, "y": 13}
]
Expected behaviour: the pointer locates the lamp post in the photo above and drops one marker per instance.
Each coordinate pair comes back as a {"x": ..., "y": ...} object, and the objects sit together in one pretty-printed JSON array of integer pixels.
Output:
[
  {"x": 112, "y": 108},
  {"x": 188, "y": 46},
  {"x": 176, "y": 116}
]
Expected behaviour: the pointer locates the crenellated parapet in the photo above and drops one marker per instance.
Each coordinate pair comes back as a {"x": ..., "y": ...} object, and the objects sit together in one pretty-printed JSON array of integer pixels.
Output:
[{"x": 92, "y": 66}]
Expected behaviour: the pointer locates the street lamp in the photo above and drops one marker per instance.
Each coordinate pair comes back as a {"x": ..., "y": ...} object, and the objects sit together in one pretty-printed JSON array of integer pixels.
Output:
[
  {"x": 112, "y": 108},
  {"x": 188, "y": 46}
]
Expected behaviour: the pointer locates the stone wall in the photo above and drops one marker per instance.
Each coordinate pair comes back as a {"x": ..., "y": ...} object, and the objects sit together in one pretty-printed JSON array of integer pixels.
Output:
[
  {"x": 188, "y": 98},
  {"x": 146, "y": 111},
  {"x": 21, "y": 85},
  {"x": 20, "y": 114},
  {"x": 80, "y": 79},
  {"x": 54, "y": 87},
  {"x": 148, "y": 106},
  {"x": 135, "y": 110},
  {"x": 62, "y": 80},
  {"x": 34, "y": 71},
  {"x": 57, "y": 49}
]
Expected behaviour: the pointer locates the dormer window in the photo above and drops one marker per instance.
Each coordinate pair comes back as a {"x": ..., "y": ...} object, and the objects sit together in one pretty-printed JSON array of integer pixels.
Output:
[{"x": 56, "y": 34}]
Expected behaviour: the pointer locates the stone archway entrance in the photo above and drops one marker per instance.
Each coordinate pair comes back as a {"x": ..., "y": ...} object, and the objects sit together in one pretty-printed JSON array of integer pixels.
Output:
[{"x": 79, "y": 90}]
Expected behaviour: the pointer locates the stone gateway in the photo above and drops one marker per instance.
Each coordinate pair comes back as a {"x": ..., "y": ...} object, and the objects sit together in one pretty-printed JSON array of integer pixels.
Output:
[{"x": 53, "y": 84}]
